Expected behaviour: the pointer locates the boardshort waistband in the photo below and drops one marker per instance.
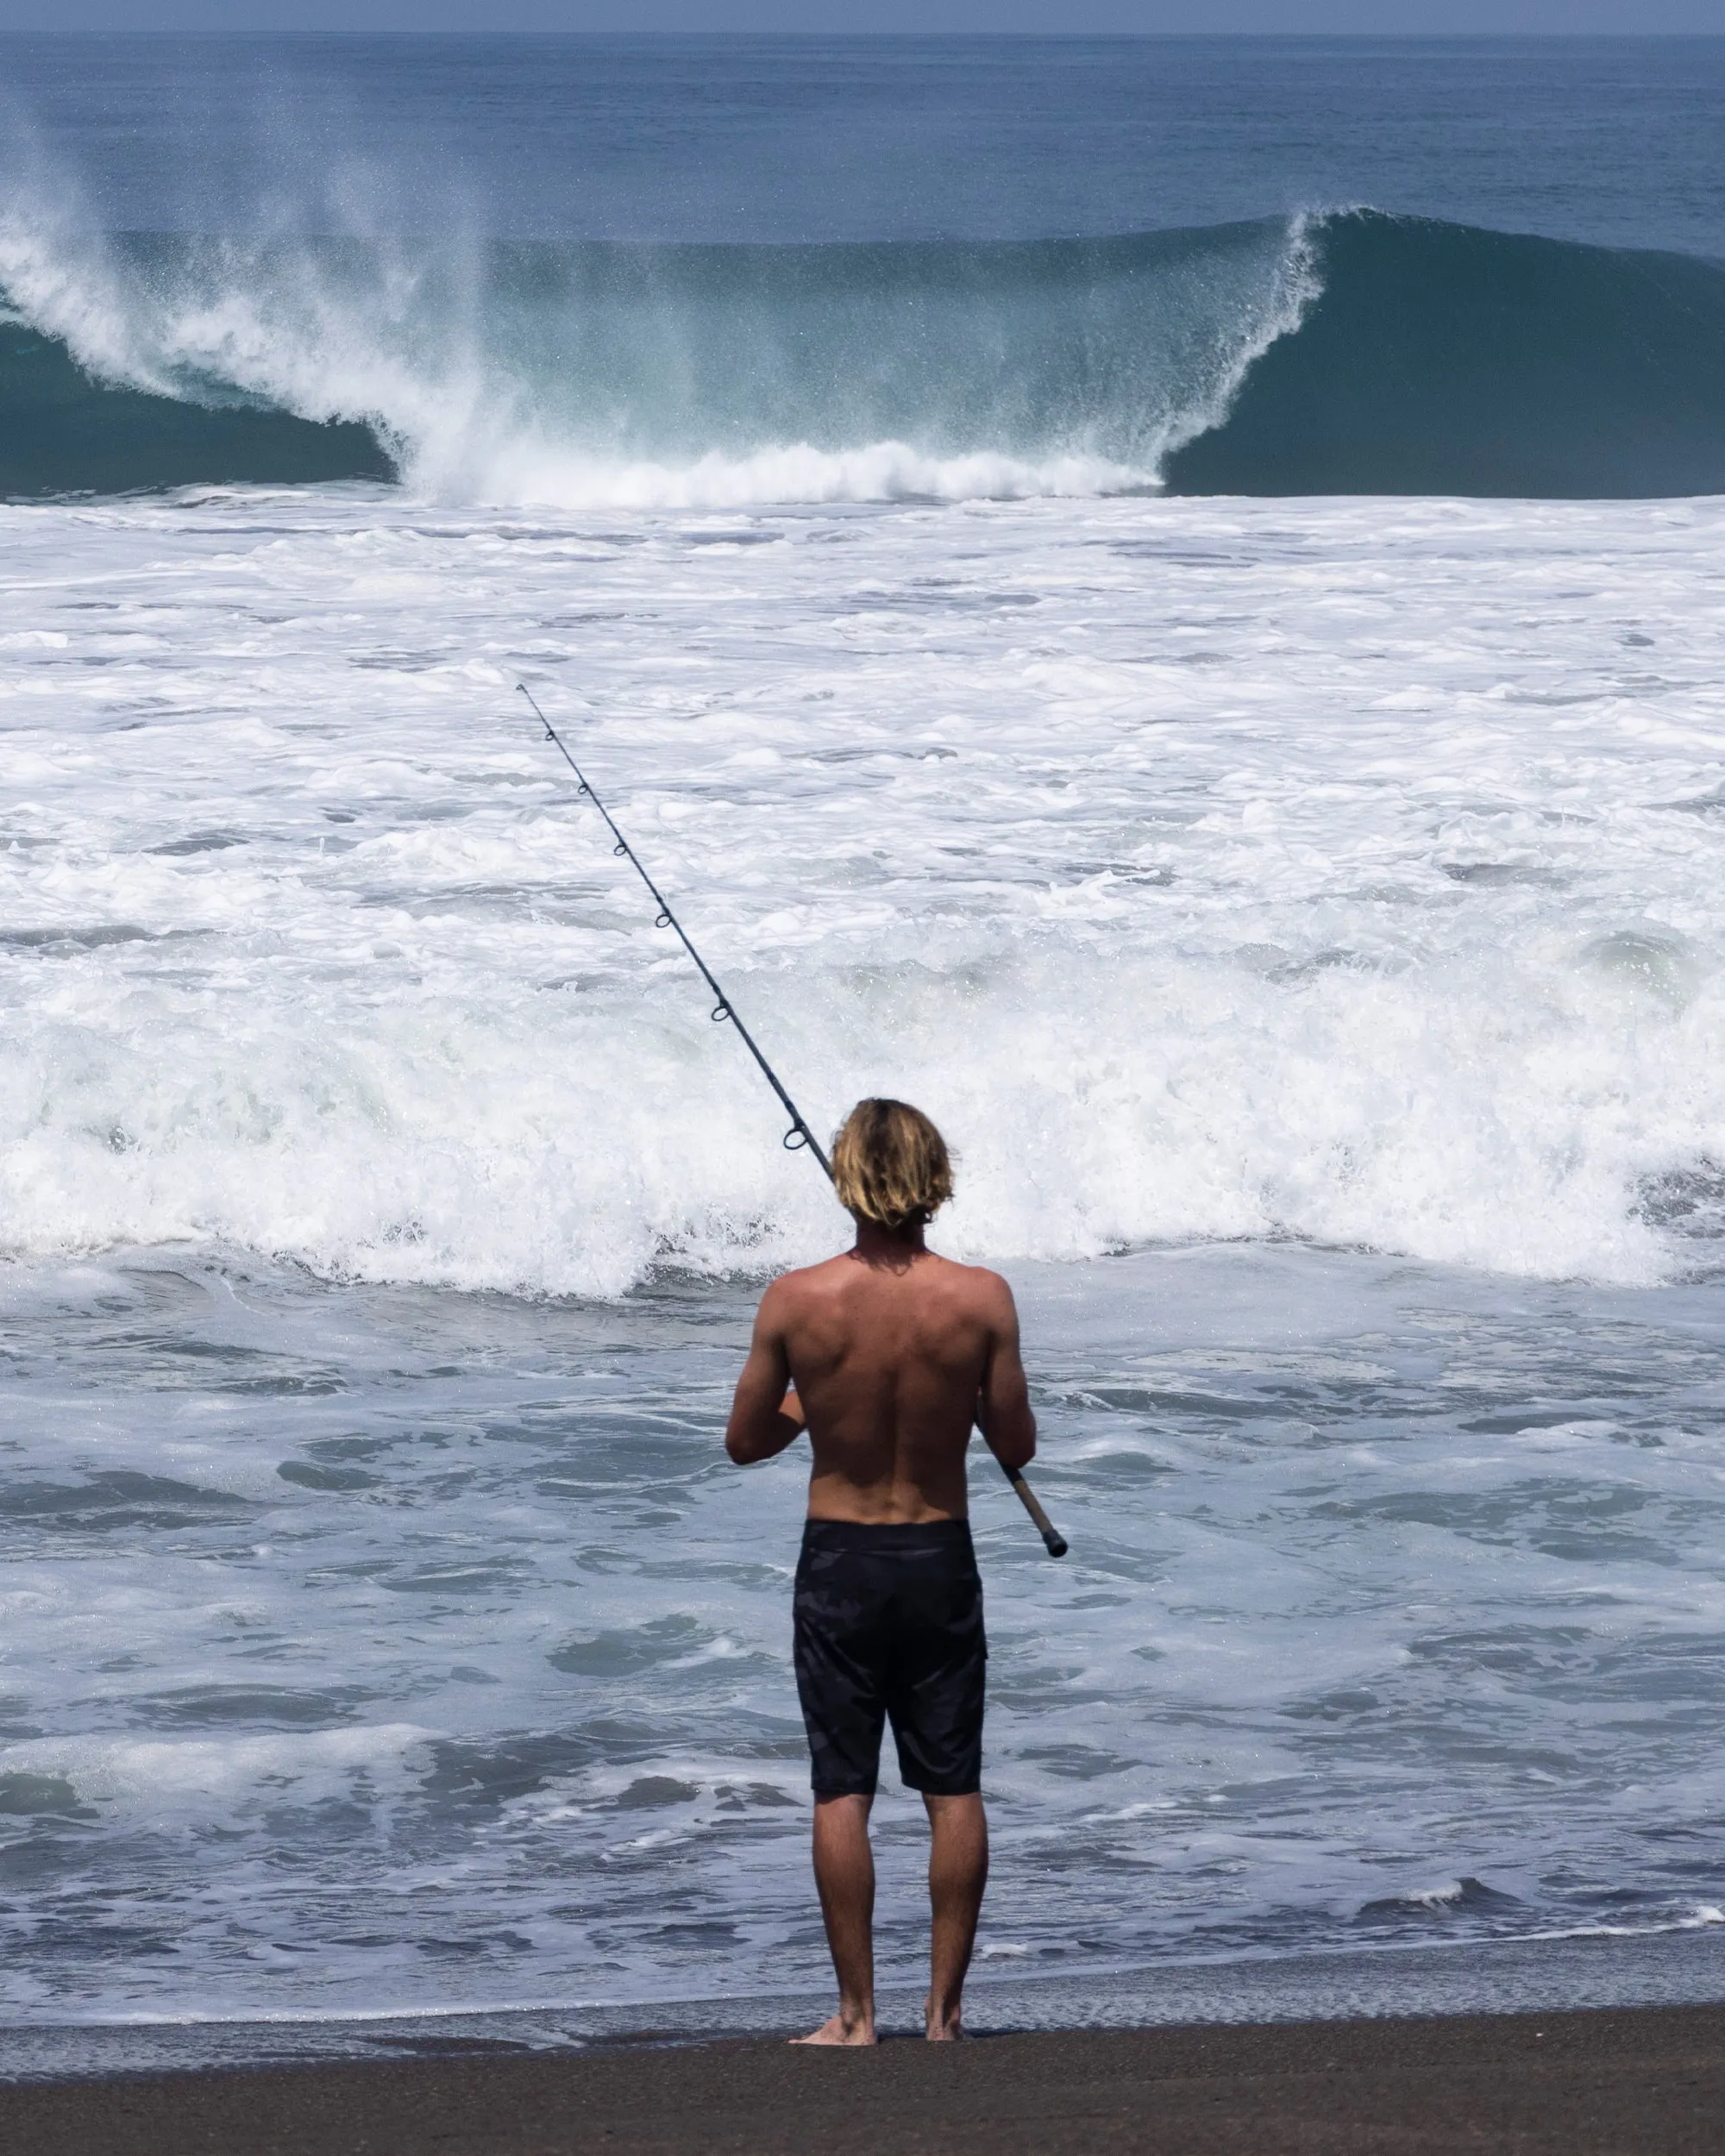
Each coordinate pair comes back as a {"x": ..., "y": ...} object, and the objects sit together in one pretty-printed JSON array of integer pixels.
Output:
[{"x": 857, "y": 1537}]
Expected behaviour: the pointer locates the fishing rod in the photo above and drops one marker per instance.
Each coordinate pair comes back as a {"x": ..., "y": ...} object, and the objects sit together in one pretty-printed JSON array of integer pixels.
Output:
[{"x": 799, "y": 1139}]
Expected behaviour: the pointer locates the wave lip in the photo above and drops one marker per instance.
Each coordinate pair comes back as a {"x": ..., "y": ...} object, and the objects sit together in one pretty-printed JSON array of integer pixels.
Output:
[{"x": 1439, "y": 359}]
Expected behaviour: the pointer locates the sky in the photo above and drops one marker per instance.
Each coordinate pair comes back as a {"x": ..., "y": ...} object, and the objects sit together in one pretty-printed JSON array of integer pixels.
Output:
[{"x": 1380, "y": 17}]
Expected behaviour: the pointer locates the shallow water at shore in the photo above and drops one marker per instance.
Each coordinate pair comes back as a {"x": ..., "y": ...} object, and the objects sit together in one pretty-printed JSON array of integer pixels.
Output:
[{"x": 388, "y": 1648}]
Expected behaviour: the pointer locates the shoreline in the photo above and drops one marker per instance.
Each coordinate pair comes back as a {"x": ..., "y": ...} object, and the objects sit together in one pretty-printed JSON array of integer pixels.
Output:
[
  {"x": 1606, "y": 2082},
  {"x": 1454, "y": 1979}
]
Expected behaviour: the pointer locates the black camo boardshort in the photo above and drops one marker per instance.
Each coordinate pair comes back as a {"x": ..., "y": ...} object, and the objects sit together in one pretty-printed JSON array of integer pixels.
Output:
[{"x": 890, "y": 1629}]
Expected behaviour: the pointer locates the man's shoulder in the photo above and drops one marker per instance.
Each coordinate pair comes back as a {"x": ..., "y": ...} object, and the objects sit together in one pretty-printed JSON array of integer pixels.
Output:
[
  {"x": 804, "y": 1282},
  {"x": 976, "y": 1285}
]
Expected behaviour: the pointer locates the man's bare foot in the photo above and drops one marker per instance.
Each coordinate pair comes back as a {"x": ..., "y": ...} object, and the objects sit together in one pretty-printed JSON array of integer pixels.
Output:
[
  {"x": 947, "y": 2028},
  {"x": 840, "y": 2031}
]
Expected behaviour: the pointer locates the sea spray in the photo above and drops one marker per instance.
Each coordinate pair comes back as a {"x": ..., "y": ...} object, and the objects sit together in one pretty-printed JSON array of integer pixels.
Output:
[{"x": 539, "y": 374}]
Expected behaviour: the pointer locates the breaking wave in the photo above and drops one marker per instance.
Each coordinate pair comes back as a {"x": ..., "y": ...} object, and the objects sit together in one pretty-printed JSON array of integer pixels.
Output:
[{"x": 1353, "y": 353}]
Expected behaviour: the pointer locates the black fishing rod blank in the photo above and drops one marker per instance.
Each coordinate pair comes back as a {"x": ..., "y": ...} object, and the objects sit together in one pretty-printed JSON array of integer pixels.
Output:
[
  {"x": 799, "y": 1135},
  {"x": 799, "y": 1139}
]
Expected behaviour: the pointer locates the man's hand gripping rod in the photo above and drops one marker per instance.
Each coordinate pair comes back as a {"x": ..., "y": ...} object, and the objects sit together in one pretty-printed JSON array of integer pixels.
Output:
[{"x": 799, "y": 1139}]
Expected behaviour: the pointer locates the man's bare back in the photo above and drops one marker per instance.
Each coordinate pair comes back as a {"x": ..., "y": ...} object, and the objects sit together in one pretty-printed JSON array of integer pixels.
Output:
[{"x": 894, "y": 1353}]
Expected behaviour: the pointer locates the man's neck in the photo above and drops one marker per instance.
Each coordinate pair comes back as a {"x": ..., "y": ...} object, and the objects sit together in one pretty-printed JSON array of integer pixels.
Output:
[{"x": 894, "y": 1248}]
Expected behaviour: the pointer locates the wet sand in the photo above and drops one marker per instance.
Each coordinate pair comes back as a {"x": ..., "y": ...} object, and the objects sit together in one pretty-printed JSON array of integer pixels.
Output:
[{"x": 1639, "y": 2081}]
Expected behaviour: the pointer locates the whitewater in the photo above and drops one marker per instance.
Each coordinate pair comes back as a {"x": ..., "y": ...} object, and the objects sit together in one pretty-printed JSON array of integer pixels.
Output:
[
  {"x": 1298, "y": 904},
  {"x": 1215, "y": 874}
]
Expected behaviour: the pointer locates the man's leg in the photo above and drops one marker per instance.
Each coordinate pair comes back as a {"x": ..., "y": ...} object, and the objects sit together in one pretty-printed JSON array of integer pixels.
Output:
[
  {"x": 844, "y": 1872},
  {"x": 957, "y": 1872}
]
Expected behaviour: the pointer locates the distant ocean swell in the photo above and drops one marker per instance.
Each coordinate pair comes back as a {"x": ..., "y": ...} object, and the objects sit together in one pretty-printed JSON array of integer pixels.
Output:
[{"x": 1353, "y": 353}]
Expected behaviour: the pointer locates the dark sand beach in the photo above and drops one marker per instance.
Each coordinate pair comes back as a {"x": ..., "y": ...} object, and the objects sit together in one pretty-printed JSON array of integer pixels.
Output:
[{"x": 1646, "y": 2080}]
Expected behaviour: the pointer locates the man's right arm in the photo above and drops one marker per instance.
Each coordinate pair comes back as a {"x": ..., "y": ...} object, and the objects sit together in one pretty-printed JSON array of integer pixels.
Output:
[
  {"x": 760, "y": 1426},
  {"x": 1003, "y": 1409}
]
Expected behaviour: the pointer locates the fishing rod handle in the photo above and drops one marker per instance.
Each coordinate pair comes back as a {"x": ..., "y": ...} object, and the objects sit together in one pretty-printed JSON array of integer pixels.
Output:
[{"x": 1052, "y": 1540}]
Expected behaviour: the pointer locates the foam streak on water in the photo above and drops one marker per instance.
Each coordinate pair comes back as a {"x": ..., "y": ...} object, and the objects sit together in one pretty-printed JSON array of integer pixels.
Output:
[{"x": 1318, "y": 903}]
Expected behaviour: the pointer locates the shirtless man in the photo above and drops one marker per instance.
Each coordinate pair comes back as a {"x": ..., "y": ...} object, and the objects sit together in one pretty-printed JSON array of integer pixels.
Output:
[{"x": 887, "y": 1355}]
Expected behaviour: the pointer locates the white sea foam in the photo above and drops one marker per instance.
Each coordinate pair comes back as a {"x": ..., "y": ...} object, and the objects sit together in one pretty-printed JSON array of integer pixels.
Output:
[
  {"x": 142, "y": 1775},
  {"x": 1199, "y": 887},
  {"x": 532, "y": 470}
]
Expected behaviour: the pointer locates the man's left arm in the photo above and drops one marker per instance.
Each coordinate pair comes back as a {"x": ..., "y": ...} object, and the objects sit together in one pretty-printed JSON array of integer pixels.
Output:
[{"x": 765, "y": 1416}]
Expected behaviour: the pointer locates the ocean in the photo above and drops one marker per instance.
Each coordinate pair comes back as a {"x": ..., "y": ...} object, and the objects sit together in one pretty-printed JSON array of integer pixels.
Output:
[{"x": 1157, "y": 599}]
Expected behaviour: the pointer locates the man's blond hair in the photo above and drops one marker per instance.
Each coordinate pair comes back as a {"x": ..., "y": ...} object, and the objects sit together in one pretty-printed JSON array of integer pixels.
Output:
[{"x": 890, "y": 1164}]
